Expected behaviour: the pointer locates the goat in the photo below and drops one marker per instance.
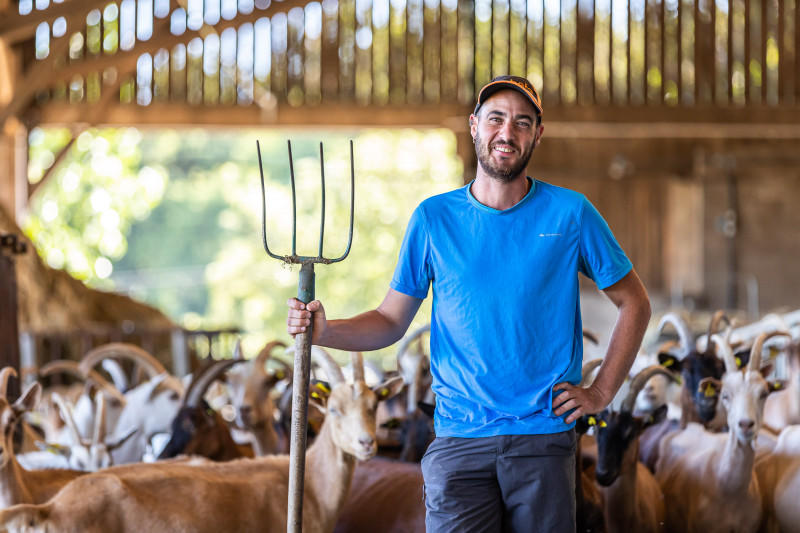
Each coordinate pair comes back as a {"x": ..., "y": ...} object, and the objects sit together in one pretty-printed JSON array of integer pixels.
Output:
[
  {"x": 243, "y": 495},
  {"x": 151, "y": 406},
  {"x": 18, "y": 485},
  {"x": 197, "y": 429},
  {"x": 251, "y": 388},
  {"x": 55, "y": 430},
  {"x": 81, "y": 454},
  {"x": 697, "y": 404},
  {"x": 386, "y": 496},
  {"x": 588, "y": 498},
  {"x": 707, "y": 478},
  {"x": 783, "y": 407},
  {"x": 632, "y": 497}
]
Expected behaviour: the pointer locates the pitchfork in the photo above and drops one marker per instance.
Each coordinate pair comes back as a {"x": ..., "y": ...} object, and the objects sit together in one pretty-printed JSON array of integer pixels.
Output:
[{"x": 302, "y": 350}]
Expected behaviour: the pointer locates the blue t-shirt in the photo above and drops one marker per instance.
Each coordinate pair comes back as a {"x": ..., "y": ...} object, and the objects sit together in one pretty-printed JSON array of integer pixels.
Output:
[{"x": 506, "y": 322}]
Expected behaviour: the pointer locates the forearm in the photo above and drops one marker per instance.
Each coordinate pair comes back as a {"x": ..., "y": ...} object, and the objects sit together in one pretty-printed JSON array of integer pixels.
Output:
[
  {"x": 626, "y": 339},
  {"x": 373, "y": 329},
  {"x": 368, "y": 331}
]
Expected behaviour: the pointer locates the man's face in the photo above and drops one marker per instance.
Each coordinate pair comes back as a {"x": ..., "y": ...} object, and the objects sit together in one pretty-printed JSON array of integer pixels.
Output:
[{"x": 505, "y": 134}]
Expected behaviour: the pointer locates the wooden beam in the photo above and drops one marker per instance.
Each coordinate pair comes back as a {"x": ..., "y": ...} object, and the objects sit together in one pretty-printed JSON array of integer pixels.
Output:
[
  {"x": 567, "y": 122},
  {"x": 15, "y": 27}
]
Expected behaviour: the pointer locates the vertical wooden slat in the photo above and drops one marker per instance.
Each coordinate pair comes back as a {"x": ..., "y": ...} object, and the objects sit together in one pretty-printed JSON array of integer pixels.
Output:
[
  {"x": 662, "y": 62},
  {"x": 763, "y": 37},
  {"x": 592, "y": 51},
  {"x": 729, "y": 76},
  {"x": 680, "y": 52},
  {"x": 610, "y": 51},
  {"x": 647, "y": 50},
  {"x": 628, "y": 59},
  {"x": 782, "y": 52},
  {"x": 748, "y": 82},
  {"x": 796, "y": 52}
]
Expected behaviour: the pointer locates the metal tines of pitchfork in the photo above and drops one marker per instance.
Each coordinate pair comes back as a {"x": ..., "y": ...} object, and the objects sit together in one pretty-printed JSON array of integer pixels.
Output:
[{"x": 302, "y": 365}]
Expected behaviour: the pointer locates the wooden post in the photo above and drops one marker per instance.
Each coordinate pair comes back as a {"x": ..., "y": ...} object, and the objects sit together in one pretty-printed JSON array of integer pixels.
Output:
[{"x": 10, "y": 245}]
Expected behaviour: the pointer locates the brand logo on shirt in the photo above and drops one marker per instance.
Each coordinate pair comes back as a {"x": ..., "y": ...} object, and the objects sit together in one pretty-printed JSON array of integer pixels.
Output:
[{"x": 550, "y": 234}]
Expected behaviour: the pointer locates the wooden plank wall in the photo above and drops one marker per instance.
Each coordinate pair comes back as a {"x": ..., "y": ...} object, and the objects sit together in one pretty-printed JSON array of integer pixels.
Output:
[{"x": 578, "y": 52}]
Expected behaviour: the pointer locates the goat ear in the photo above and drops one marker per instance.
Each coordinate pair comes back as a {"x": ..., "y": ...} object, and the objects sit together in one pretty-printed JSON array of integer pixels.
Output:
[
  {"x": 28, "y": 399},
  {"x": 767, "y": 369},
  {"x": 54, "y": 448},
  {"x": 389, "y": 388},
  {"x": 668, "y": 360},
  {"x": 742, "y": 357},
  {"x": 117, "y": 441},
  {"x": 318, "y": 393},
  {"x": 710, "y": 387},
  {"x": 776, "y": 385}
]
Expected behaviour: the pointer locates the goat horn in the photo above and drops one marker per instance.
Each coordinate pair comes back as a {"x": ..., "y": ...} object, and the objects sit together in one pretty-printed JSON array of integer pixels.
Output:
[
  {"x": 357, "y": 362},
  {"x": 587, "y": 370},
  {"x": 324, "y": 359},
  {"x": 126, "y": 350},
  {"x": 681, "y": 327},
  {"x": 66, "y": 415},
  {"x": 713, "y": 327},
  {"x": 99, "y": 418},
  {"x": 66, "y": 366},
  {"x": 5, "y": 375},
  {"x": 727, "y": 352},
  {"x": 406, "y": 342},
  {"x": 200, "y": 384},
  {"x": 591, "y": 337},
  {"x": 758, "y": 345},
  {"x": 265, "y": 354},
  {"x": 638, "y": 382}
]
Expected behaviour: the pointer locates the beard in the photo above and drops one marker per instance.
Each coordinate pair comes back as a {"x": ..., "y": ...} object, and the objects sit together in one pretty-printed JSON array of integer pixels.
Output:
[{"x": 502, "y": 173}]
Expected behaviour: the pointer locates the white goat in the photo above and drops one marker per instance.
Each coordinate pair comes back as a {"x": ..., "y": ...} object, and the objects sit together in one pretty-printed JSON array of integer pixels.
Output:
[
  {"x": 244, "y": 495},
  {"x": 783, "y": 407},
  {"x": 707, "y": 478},
  {"x": 150, "y": 407},
  {"x": 18, "y": 485}
]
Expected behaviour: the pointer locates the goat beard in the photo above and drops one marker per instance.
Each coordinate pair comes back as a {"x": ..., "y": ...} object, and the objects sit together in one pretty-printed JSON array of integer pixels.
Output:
[{"x": 502, "y": 174}]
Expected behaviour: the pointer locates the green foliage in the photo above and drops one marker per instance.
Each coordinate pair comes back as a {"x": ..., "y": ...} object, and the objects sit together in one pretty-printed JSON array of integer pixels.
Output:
[{"x": 192, "y": 247}]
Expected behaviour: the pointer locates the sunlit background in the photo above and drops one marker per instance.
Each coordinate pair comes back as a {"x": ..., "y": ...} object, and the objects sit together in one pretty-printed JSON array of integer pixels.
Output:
[{"x": 173, "y": 218}]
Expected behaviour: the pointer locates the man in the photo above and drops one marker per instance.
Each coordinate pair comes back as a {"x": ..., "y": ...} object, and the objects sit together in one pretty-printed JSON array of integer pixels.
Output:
[{"x": 502, "y": 254}]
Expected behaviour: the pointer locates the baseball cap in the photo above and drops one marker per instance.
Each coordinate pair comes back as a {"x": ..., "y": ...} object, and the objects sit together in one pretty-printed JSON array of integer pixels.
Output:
[{"x": 516, "y": 83}]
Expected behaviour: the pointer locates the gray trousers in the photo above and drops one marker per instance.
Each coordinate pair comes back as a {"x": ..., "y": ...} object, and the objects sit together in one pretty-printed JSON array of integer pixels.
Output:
[{"x": 509, "y": 483}]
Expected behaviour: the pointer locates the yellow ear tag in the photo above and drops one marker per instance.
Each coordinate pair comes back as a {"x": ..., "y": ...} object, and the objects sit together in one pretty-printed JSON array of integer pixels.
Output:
[
  {"x": 709, "y": 391},
  {"x": 280, "y": 374},
  {"x": 315, "y": 395},
  {"x": 738, "y": 362},
  {"x": 773, "y": 352},
  {"x": 776, "y": 385},
  {"x": 668, "y": 363},
  {"x": 592, "y": 421},
  {"x": 384, "y": 392},
  {"x": 603, "y": 424},
  {"x": 324, "y": 388}
]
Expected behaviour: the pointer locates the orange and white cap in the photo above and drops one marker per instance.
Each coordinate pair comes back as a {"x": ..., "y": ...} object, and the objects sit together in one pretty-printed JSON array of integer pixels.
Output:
[{"x": 516, "y": 83}]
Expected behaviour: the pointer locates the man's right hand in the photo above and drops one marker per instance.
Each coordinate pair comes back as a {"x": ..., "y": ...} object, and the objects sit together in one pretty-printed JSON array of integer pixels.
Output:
[{"x": 300, "y": 316}]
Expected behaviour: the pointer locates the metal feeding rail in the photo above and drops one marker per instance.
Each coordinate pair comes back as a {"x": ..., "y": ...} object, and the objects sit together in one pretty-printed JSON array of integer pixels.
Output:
[{"x": 302, "y": 355}]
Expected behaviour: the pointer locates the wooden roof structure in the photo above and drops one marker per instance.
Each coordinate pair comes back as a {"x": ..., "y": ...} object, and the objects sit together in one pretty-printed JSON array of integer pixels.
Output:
[
  {"x": 636, "y": 71},
  {"x": 391, "y": 63}
]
